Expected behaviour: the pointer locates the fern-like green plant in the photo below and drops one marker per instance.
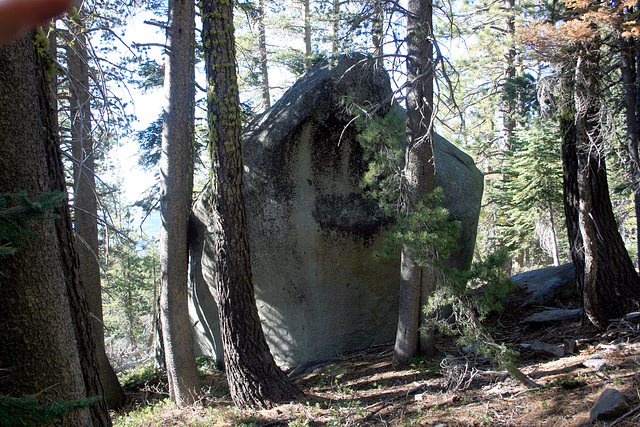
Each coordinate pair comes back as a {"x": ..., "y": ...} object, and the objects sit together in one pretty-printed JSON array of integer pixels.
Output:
[
  {"x": 17, "y": 214},
  {"x": 27, "y": 411}
]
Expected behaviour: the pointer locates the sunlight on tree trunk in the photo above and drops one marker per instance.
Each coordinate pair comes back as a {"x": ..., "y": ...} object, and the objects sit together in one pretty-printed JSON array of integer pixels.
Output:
[
  {"x": 416, "y": 282},
  {"x": 176, "y": 175},
  {"x": 85, "y": 201},
  {"x": 254, "y": 378}
]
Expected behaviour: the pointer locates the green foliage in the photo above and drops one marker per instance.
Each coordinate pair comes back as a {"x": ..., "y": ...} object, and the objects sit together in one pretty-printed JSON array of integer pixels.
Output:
[
  {"x": 152, "y": 75},
  {"x": 27, "y": 411},
  {"x": 18, "y": 212},
  {"x": 150, "y": 140},
  {"x": 470, "y": 296},
  {"x": 567, "y": 382},
  {"x": 298, "y": 423},
  {"x": 140, "y": 376},
  {"x": 530, "y": 194},
  {"x": 426, "y": 231},
  {"x": 431, "y": 236},
  {"x": 424, "y": 366},
  {"x": 205, "y": 363},
  {"x": 382, "y": 139},
  {"x": 130, "y": 281}
]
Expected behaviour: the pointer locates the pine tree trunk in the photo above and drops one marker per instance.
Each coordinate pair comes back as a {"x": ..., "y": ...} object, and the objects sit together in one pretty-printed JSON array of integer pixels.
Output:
[
  {"x": 607, "y": 280},
  {"x": 630, "y": 85},
  {"x": 262, "y": 47},
  {"x": 571, "y": 194},
  {"x": 417, "y": 283},
  {"x": 47, "y": 346},
  {"x": 254, "y": 378},
  {"x": 335, "y": 36},
  {"x": 556, "y": 255},
  {"x": 176, "y": 169},
  {"x": 377, "y": 32},
  {"x": 307, "y": 35},
  {"x": 508, "y": 104},
  {"x": 86, "y": 204}
]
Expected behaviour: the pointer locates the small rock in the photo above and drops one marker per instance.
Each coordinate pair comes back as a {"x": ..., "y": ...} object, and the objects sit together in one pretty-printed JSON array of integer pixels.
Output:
[
  {"x": 610, "y": 404},
  {"x": 548, "y": 349},
  {"x": 596, "y": 363},
  {"x": 570, "y": 346},
  {"x": 553, "y": 316}
]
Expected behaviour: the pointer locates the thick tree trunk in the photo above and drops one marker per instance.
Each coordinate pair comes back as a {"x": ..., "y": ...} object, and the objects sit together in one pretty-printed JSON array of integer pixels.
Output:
[
  {"x": 254, "y": 378},
  {"x": 607, "y": 280},
  {"x": 176, "y": 170},
  {"x": 47, "y": 346},
  {"x": 571, "y": 195},
  {"x": 85, "y": 203},
  {"x": 417, "y": 283}
]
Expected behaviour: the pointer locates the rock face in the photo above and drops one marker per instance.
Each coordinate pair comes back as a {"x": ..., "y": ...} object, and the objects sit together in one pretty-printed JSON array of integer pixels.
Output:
[
  {"x": 312, "y": 234},
  {"x": 548, "y": 286}
]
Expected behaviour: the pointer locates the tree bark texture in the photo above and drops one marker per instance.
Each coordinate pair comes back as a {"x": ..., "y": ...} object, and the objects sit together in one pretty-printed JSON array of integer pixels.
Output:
[
  {"x": 607, "y": 280},
  {"x": 417, "y": 283},
  {"x": 508, "y": 106},
  {"x": 264, "y": 64},
  {"x": 335, "y": 32},
  {"x": 176, "y": 177},
  {"x": 628, "y": 69},
  {"x": 308, "y": 49},
  {"x": 254, "y": 378},
  {"x": 377, "y": 31},
  {"x": 85, "y": 203},
  {"x": 47, "y": 347}
]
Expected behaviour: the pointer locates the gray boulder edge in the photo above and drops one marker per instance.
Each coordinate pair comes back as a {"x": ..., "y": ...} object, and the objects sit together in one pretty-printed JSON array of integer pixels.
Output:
[
  {"x": 547, "y": 286},
  {"x": 319, "y": 290}
]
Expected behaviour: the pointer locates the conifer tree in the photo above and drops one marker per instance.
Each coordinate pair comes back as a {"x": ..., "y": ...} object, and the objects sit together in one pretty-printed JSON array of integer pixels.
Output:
[
  {"x": 607, "y": 280},
  {"x": 417, "y": 282},
  {"x": 176, "y": 177},
  {"x": 254, "y": 378}
]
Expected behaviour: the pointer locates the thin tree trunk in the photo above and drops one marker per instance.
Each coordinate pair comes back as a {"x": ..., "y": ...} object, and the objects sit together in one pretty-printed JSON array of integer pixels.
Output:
[
  {"x": 335, "y": 36},
  {"x": 632, "y": 115},
  {"x": 508, "y": 105},
  {"x": 416, "y": 282},
  {"x": 262, "y": 47},
  {"x": 254, "y": 378},
  {"x": 377, "y": 32},
  {"x": 176, "y": 169},
  {"x": 86, "y": 203},
  {"x": 307, "y": 35},
  {"x": 556, "y": 255},
  {"x": 47, "y": 346}
]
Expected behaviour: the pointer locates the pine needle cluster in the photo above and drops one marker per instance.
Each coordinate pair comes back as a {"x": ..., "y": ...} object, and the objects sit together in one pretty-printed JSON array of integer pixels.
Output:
[{"x": 18, "y": 213}]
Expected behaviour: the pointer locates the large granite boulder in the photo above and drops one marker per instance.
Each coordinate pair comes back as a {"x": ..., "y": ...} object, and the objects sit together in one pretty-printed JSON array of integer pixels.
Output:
[{"x": 312, "y": 234}]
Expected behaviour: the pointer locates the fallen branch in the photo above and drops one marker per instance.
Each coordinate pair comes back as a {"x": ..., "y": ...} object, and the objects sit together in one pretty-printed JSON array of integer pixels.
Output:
[{"x": 631, "y": 412}]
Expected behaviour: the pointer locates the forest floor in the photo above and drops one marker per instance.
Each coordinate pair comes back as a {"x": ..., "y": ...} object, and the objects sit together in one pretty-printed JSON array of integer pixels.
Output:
[{"x": 363, "y": 389}]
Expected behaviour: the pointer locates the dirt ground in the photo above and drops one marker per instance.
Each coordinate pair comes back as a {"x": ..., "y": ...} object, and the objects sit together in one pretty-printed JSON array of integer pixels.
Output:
[{"x": 363, "y": 389}]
